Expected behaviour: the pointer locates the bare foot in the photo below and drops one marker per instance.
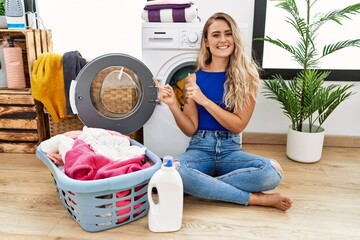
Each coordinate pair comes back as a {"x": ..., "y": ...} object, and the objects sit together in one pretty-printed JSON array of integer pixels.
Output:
[
  {"x": 176, "y": 164},
  {"x": 276, "y": 200}
]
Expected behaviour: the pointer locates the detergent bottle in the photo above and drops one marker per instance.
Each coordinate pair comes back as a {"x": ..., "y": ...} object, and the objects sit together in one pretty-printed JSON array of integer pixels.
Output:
[{"x": 165, "y": 213}]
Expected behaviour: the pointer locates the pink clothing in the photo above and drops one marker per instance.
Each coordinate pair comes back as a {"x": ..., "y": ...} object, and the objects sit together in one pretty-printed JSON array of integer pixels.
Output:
[
  {"x": 56, "y": 159},
  {"x": 127, "y": 202},
  {"x": 81, "y": 163},
  {"x": 73, "y": 134}
]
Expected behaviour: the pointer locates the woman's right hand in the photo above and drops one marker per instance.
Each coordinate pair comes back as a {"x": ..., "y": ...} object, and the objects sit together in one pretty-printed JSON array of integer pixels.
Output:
[
  {"x": 187, "y": 125},
  {"x": 165, "y": 93}
]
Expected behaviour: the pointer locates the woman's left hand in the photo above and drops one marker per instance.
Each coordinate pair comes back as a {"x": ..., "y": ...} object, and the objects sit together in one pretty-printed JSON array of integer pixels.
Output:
[{"x": 193, "y": 91}]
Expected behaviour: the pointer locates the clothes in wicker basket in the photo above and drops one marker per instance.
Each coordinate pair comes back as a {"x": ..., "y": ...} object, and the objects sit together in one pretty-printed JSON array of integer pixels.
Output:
[
  {"x": 98, "y": 205},
  {"x": 94, "y": 153},
  {"x": 82, "y": 163}
]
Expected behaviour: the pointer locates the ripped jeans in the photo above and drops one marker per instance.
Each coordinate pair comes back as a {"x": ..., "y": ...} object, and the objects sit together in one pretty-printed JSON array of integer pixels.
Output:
[{"x": 216, "y": 167}]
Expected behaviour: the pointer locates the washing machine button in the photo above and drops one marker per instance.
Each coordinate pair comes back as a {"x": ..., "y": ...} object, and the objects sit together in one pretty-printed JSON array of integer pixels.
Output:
[{"x": 192, "y": 37}]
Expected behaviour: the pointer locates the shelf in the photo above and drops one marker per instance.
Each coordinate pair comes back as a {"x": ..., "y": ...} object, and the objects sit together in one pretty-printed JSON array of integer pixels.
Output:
[{"x": 23, "y": 123}]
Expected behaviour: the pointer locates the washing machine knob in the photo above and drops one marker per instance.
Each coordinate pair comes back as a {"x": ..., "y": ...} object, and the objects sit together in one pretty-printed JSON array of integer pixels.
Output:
[{"x": 193, "y": 37}]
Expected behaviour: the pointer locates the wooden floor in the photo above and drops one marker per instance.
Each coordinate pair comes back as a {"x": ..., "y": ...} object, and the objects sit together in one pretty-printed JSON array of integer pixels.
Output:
[{"x": 326, "y": 204}]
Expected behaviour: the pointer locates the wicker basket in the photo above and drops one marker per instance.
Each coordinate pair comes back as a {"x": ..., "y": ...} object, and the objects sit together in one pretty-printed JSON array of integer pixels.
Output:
[
  {"x": 107, "y": 203},
  {"x": 68, "y": 124}
]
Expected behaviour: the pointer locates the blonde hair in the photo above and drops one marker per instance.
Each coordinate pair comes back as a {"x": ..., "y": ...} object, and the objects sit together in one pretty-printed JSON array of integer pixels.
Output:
[{"x": 242, "y": 73}]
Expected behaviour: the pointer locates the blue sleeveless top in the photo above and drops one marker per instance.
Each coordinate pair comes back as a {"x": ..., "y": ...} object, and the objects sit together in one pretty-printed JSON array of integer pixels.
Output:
[{"x": 212, "y": 85}]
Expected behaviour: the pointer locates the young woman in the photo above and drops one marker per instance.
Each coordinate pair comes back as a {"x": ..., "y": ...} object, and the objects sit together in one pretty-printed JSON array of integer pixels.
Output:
[{"x": 219, "y": 102}]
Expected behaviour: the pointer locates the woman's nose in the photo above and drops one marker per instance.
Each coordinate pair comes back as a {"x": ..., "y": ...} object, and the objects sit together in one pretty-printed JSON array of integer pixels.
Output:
[{"x": 223, "y": 38}]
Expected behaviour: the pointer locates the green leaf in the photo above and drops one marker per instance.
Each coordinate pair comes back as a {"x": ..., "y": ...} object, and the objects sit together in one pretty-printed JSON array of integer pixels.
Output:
[
  {"x": 336, "y": 15},
  {"x": 279, "y": 43},
  {"x": 328, "y": 49}
]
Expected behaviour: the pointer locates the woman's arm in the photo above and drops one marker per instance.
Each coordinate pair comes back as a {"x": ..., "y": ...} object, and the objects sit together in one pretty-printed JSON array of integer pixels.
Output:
[
  {"x": 234, "y": 122},
  {"x": 186, "y": 120}
]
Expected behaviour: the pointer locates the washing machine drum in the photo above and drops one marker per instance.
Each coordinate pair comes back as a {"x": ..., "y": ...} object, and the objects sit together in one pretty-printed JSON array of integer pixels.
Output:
[{"x": 114, "y": 92}]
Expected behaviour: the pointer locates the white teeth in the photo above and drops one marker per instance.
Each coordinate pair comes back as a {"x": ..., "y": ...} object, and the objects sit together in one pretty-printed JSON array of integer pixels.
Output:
[{"x": 223, "y": 47}]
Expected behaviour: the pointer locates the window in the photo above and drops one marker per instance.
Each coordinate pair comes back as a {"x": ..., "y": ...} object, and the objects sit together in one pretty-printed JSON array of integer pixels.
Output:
[{"x": 268, "y": 19}]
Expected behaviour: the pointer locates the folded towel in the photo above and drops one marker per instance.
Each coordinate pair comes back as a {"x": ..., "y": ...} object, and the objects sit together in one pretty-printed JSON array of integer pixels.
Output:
[
  {"x": 156, "y": 2},
  {"x": 189, "y": 14},
  {"x": 167, "y": 6}
]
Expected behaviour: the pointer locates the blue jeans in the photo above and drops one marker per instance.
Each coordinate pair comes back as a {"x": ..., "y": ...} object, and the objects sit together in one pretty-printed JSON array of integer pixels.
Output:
[{"x": 216, "y": 167}]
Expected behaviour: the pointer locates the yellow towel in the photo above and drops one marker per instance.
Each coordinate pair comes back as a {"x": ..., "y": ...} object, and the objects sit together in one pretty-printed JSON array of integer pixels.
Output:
[
  {"x": 179, "y": 92},
  {"x": 47, "y": 84}
]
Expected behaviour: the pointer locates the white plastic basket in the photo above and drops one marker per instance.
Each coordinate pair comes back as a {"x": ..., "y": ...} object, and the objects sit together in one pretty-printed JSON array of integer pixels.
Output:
[{"x": 106, "y": 203}]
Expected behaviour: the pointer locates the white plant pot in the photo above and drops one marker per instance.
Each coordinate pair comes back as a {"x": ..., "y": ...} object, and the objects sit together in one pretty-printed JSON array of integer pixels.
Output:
[{"x": 303, "y": 146}]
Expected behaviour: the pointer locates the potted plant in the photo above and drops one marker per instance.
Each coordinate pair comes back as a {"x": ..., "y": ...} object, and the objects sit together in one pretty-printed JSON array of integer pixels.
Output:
[
  {"x": 305, "y": 99},
  {"x": 3, "y": 23}
]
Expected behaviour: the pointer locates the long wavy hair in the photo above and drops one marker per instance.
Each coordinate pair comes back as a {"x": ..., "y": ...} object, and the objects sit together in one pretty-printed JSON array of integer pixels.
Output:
[{"x": 242, "y": 73}]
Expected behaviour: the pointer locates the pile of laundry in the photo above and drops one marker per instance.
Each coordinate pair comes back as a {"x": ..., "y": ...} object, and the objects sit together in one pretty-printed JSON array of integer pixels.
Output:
[
  {"x": 94, "y": 153},
  {"x": 170, "y": 11}
]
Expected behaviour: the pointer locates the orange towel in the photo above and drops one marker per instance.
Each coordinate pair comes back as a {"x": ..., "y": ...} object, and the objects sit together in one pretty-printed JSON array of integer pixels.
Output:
[
  {"x": 47, "y": 84},
  {"x": 179, "y": 92}
]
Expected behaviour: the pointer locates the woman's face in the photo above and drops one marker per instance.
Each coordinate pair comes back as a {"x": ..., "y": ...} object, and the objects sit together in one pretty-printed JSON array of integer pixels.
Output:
[{"x": 220, "y": 40}]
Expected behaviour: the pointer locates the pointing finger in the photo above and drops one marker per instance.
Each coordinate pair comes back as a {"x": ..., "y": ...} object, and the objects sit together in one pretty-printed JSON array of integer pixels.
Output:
[
  {"x": 189, "y": 79},
  {"x": 156, "y": 82}
]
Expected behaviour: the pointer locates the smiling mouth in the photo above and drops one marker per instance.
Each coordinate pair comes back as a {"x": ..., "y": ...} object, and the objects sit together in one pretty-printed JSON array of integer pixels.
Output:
[{"x": 223, "y": 47}]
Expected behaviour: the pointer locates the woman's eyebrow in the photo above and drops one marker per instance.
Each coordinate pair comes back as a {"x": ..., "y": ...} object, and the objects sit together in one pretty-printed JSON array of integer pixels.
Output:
[{"x": 216, "y": 31}]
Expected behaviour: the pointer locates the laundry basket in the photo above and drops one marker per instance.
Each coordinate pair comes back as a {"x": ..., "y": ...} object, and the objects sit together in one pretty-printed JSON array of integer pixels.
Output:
[{"x": 106, "y": 203}]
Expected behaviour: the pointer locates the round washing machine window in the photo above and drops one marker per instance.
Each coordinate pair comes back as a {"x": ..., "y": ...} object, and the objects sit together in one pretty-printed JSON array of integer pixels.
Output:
[{"x": 115, "y": 92}]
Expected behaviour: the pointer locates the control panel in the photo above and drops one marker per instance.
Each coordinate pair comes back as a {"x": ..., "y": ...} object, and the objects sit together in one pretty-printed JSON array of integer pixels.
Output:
[{"x": 190, "y": 38}]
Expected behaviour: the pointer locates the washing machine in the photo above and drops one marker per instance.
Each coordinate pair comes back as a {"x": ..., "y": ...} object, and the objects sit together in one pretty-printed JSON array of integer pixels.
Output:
[{"x": 170, "y": 51}]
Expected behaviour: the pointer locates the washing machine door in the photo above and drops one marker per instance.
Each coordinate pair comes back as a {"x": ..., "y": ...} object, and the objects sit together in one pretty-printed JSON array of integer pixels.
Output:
[{"x": 114, "y": 92}]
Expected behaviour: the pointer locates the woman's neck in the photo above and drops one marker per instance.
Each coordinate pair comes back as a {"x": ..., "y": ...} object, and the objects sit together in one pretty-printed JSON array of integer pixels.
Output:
[{"x": 218, "y": 65}]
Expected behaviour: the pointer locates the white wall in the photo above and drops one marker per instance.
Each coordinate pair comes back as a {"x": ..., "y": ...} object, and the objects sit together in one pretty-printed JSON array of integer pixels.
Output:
[{"x": 95, "y": 28}]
